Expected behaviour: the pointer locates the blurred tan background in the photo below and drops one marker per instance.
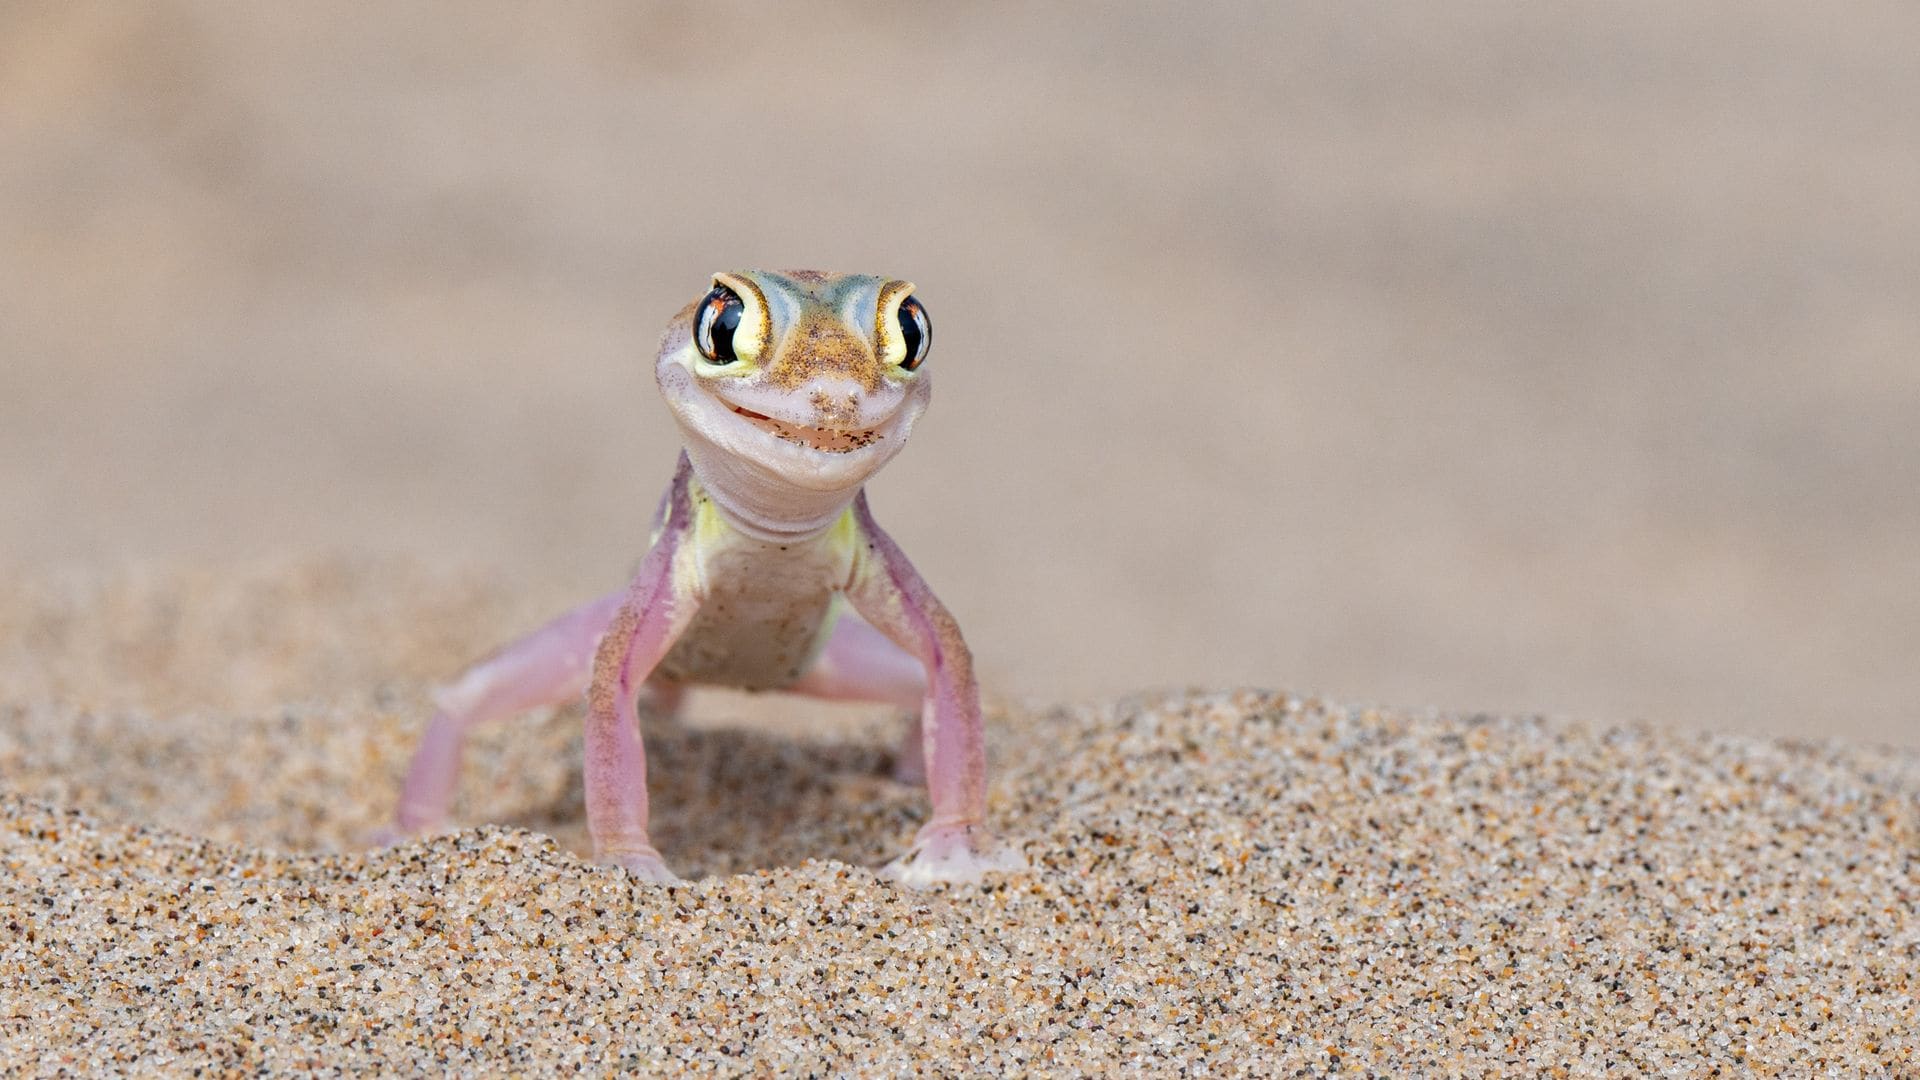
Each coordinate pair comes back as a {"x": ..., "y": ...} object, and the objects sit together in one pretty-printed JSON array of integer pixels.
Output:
[{"x": 1489, "y": 357}]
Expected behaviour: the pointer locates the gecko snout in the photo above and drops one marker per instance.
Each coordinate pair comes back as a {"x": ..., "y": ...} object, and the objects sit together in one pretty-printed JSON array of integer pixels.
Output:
[{"x": 837, "y": 410}]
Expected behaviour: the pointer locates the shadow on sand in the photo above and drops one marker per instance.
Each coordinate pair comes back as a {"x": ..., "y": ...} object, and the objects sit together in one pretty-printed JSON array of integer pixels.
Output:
[{"x": 732, "y": 799}]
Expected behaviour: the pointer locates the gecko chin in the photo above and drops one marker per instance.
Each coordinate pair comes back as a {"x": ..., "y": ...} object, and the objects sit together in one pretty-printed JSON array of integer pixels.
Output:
[
  {"x": 813, "y": 458},
  {"x": 799, "y": 456}
]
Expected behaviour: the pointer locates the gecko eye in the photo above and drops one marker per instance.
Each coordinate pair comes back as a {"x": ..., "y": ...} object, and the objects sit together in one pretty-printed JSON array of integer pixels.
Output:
[
  {"x": 916, "y": 331},
  {"x": 714, "y": 324}
]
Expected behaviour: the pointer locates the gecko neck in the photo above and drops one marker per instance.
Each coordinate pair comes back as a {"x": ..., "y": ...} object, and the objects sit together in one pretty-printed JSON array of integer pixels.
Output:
[{"x": 756, "y": 501}]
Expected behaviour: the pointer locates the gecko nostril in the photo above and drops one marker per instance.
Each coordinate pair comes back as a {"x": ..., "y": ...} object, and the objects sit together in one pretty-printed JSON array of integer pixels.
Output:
[{"x": 832, "y": 410}]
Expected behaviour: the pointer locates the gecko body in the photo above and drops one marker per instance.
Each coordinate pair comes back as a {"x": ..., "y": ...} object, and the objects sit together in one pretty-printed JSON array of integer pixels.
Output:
[{"x": 765, "y": 570}]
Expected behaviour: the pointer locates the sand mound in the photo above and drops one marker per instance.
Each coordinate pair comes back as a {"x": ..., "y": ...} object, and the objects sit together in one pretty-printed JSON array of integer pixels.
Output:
[{"x": 1228, "y": 882}]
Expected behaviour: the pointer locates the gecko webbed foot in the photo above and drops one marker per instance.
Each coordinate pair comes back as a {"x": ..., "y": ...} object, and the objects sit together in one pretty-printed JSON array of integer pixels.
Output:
[
  {"x": 647, "y": 865},
  {"x": 954, "y": 854}
]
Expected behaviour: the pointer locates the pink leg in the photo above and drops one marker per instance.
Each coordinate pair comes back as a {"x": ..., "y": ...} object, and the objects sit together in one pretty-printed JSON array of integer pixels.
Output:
[
  {"x": 860, "y": 663},
  {"x": 653, "y": 613},
  {"x": 955, "y": 845},
  {"x": 547, "y": 667}
]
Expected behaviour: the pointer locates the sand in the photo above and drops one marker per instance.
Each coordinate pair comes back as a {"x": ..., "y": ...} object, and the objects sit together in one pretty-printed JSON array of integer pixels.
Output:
[{"x": 1225, "y": 882}]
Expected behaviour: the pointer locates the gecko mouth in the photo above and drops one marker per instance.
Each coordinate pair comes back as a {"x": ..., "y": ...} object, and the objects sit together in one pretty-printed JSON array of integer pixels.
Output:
[{"x": 826, "y": 440}]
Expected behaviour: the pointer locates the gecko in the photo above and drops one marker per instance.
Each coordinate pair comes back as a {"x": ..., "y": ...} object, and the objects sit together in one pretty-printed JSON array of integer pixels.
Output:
[{"x": 765, "y": 571}]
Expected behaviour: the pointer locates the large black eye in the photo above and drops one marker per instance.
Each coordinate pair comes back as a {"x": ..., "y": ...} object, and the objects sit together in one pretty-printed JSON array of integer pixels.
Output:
[
  {"x": 916, "y": 331},
  {"x": 714, "y": 324}
]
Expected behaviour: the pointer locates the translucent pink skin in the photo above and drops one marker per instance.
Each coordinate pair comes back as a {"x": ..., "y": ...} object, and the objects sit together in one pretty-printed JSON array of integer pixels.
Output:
[
  {"x": 546, "y": 667},
  {"x": 608, "y": 646},
  {"x": 639, "y": 636},
  {"x": 889, "y": 593}
]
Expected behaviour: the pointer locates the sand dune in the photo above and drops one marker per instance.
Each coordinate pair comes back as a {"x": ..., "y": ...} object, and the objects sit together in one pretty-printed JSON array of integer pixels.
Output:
[{"x": 1236, "y": 882}]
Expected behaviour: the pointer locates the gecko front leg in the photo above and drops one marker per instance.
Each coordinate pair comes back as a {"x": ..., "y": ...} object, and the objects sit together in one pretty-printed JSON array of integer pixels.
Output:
[
  {"x": 955, "y": 843},
  {"x": 658, "y": 606}
]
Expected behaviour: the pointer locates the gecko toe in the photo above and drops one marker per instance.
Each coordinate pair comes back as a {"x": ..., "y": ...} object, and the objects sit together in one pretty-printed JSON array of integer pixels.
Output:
[{"x": 954, "y": 855}]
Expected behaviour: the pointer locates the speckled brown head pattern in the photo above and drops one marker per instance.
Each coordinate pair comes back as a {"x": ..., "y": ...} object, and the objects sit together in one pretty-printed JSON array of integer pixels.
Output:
[
  {"x": 818, "y": 329},
  {"x": 808, "y": 363}
]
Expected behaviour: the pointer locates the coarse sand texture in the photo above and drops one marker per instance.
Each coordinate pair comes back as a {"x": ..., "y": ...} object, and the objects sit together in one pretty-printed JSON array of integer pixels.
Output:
[{"x": 1224, "y": 883}]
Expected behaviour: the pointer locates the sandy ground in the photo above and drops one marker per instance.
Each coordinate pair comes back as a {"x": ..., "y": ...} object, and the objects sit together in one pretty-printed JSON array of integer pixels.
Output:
[
  {"x": 1230, "y": 883},
  {"x": 1554, "y": 359}
]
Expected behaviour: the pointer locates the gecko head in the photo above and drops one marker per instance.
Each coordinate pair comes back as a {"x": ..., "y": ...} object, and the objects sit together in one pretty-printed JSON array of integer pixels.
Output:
[{"x": 815, "y": 378}]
